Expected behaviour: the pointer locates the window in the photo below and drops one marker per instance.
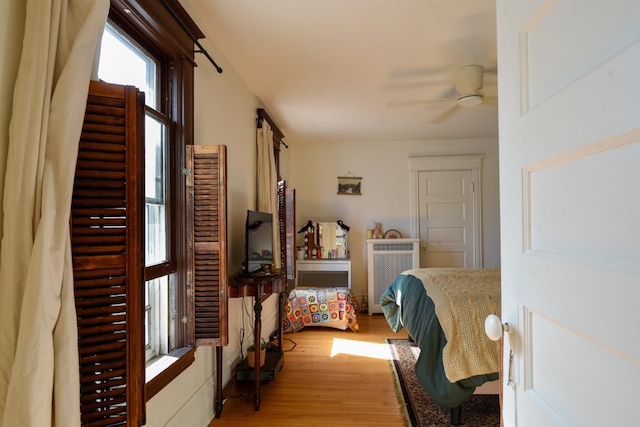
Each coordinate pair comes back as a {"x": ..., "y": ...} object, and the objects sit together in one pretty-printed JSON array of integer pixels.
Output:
[
  {"x": 141, "y": 70},
  {"x": 128, "y": 207},
  {"x": 130, "y": 59},
  {"x": 144, "y": 47},
  {"x": 158, "y": 258}
]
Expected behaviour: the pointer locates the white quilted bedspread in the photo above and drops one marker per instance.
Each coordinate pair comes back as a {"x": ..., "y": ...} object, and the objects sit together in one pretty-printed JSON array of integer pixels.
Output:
[{"x": 463, "y": 299}]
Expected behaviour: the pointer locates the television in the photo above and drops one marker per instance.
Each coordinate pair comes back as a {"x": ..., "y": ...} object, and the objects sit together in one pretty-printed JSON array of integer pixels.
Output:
[{"x": 258, "y": 241}]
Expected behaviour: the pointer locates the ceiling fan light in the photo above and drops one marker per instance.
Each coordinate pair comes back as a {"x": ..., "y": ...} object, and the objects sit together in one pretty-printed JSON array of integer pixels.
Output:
[{"x": 469, "y": 100}]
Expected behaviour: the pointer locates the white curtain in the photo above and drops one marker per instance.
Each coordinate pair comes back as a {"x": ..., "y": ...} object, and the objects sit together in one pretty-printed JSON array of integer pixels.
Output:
[
  {"x": 39, "y": 375},
  {"x": 268, "y": 184}
]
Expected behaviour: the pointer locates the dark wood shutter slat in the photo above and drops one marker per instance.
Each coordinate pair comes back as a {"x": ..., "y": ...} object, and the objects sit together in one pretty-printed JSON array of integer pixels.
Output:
[
  {"x": 207, "y": 240},
  {"x": 90, "y": 146},
  {"x": 115, "y": 351},
  {"x": 108, "y": 257},
  {"x": 98, "y": 262}
]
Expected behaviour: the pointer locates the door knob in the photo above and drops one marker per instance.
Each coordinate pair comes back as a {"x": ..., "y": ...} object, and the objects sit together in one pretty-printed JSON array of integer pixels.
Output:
[{"x": 494, "y": 327}]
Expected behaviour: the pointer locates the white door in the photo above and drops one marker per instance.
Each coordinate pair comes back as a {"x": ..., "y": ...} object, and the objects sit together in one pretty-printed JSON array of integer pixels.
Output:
[
  {"x": 446, "y": 219},
  {"x": 446, "y": 210},
  {"x": 569, "y": 85}
]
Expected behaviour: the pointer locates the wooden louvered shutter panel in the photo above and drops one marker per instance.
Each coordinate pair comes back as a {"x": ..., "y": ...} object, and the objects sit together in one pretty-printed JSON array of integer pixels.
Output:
[
  {"x": 107, "y": 232},
  {"x": 282, "y": 225},
  {"x": 290, "y": 225},
  {"x": 207, "y": 276}
]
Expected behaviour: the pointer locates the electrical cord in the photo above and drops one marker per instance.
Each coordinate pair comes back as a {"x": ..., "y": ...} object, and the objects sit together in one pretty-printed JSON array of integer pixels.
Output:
[
  {"x": 246, "y": 393},
  {"x": 294, "y": 345}
]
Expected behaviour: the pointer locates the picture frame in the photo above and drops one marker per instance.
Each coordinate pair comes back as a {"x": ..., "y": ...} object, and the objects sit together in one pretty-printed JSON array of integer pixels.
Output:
[{"x": 349, "y": 185}]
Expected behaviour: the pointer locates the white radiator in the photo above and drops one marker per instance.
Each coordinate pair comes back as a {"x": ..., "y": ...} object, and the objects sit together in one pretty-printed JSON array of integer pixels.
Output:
[{"x": 386, "y": 260}]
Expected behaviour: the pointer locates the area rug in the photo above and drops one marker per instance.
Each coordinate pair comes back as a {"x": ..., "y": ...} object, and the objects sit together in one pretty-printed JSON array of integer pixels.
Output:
[{"x": 477, "y": 411}]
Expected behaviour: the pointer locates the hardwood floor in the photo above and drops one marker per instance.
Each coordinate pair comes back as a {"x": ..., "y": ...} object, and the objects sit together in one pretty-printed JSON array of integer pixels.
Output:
[{"x": 352, "y": 387}]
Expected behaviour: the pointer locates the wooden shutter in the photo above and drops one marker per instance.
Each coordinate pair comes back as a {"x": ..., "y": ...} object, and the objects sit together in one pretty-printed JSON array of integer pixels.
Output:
[
  {"x": 107, "y": 232},
  {"x": 290, "y": 226},
  {"x": 282, "y": 225},
  {"x": 207, "y": 276},
  {"x": 286, "y": 223}
]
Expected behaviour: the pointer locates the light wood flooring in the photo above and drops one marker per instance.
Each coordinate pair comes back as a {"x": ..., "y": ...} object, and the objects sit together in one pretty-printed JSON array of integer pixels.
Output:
[{"x": 354, "y": 386}]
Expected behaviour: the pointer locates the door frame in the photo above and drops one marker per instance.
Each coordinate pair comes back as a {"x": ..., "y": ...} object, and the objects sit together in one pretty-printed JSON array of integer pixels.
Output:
[{"x": 471, "y": 163}]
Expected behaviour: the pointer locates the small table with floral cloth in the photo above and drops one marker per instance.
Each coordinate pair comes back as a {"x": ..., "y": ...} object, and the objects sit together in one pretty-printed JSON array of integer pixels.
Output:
[{"x": 329, "y": 307}]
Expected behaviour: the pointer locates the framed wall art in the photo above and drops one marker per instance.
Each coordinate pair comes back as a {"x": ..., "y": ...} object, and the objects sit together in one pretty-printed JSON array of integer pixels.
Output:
[{"x": 349, "y": 185}]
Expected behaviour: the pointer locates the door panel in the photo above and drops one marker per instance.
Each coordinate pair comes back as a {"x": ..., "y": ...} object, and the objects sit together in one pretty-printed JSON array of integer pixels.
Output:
[
  {"x": 564, "y": 222},
  {"x": 569, "y": 150},
  {"x": 446, "y": 219}
]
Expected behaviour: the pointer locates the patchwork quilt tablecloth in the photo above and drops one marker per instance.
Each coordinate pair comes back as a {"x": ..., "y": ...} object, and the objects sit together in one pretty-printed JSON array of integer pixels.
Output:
[{"x": 330, "y": 307}]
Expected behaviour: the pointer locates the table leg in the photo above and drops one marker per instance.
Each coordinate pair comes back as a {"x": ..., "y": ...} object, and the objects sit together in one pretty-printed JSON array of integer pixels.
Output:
[
  {"x": 257, "y": 333},
  {"x": 218, "y": 407},
  {"x": 281, "y": 314}
]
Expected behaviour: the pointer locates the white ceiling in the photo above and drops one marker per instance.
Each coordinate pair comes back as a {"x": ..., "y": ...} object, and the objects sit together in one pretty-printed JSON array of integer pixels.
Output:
[{"x": 336, "y": 70}]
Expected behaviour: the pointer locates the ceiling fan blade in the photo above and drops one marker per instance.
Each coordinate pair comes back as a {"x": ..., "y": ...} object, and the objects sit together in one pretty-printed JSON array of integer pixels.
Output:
[
  {"x": 444, "y": 116},
  {"x": 394, "y": 104},
  {"x": 420, "y": 84},
  {"x": 420, "y": 72},
  {"x": 468, "y": 84}
]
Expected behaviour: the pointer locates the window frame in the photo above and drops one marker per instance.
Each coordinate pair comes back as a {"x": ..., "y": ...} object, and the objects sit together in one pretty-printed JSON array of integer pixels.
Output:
[
  {"x": 162, "y": 321},
  {"x": 153, "y": 29}
]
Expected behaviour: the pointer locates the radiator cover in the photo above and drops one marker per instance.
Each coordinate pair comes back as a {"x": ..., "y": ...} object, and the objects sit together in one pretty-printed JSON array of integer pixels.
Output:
[{"x": 386, "y": 260}]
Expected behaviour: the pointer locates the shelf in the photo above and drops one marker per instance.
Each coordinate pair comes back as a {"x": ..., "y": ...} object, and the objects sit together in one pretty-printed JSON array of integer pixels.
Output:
[{"x": 273, "y": 363}]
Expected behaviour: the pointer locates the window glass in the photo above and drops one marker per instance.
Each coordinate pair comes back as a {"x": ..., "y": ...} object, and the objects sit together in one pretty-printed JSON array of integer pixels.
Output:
[
  {"x": 155, "y": 190},
  {"x": 121, "y": 62},
  {"x": 156, "y": 322}
]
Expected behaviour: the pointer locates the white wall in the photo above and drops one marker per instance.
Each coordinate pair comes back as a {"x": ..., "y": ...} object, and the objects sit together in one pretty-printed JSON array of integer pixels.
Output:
[{"x": 384, "y": 168}]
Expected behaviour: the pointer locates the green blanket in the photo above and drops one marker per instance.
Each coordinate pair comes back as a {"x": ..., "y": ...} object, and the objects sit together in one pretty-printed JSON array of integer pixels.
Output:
[{"x": 405, "y": 304}]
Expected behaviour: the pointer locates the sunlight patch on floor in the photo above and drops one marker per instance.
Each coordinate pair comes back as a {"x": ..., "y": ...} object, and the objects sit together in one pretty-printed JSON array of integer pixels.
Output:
[{"x": 360, "y": 348}]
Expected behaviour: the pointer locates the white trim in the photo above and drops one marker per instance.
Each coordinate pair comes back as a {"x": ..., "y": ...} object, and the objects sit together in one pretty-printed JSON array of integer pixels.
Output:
[
  {"x": 444, "y": 163},
  {"x": 472, "y": 163}
]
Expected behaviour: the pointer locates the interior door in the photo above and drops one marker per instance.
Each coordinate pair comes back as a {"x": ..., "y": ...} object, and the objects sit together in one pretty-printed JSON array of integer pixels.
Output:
[
  {"x": 570, "y": 205},
  {"x": 446, "y": 209},
  {"x": 446, "y": 219}
]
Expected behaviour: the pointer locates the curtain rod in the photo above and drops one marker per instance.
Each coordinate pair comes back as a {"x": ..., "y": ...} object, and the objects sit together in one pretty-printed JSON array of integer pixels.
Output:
[
  {"x": 190, "y": 34},
  {"x": 263, "y": 115},
  {"x": 276, "y": 131}
]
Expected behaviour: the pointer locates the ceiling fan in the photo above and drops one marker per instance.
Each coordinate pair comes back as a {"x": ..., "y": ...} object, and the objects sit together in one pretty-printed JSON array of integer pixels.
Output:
[{"x": 468, "y": 84}]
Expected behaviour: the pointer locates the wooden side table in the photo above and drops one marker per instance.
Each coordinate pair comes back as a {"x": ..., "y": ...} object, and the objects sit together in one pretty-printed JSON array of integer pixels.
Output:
[{"x": 259, "y": 286}]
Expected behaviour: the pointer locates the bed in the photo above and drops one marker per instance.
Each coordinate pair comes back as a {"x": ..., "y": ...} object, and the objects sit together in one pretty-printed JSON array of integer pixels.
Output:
[
  {"x": 332, "y": 307},
  {"x": 443, "y": 311}
]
